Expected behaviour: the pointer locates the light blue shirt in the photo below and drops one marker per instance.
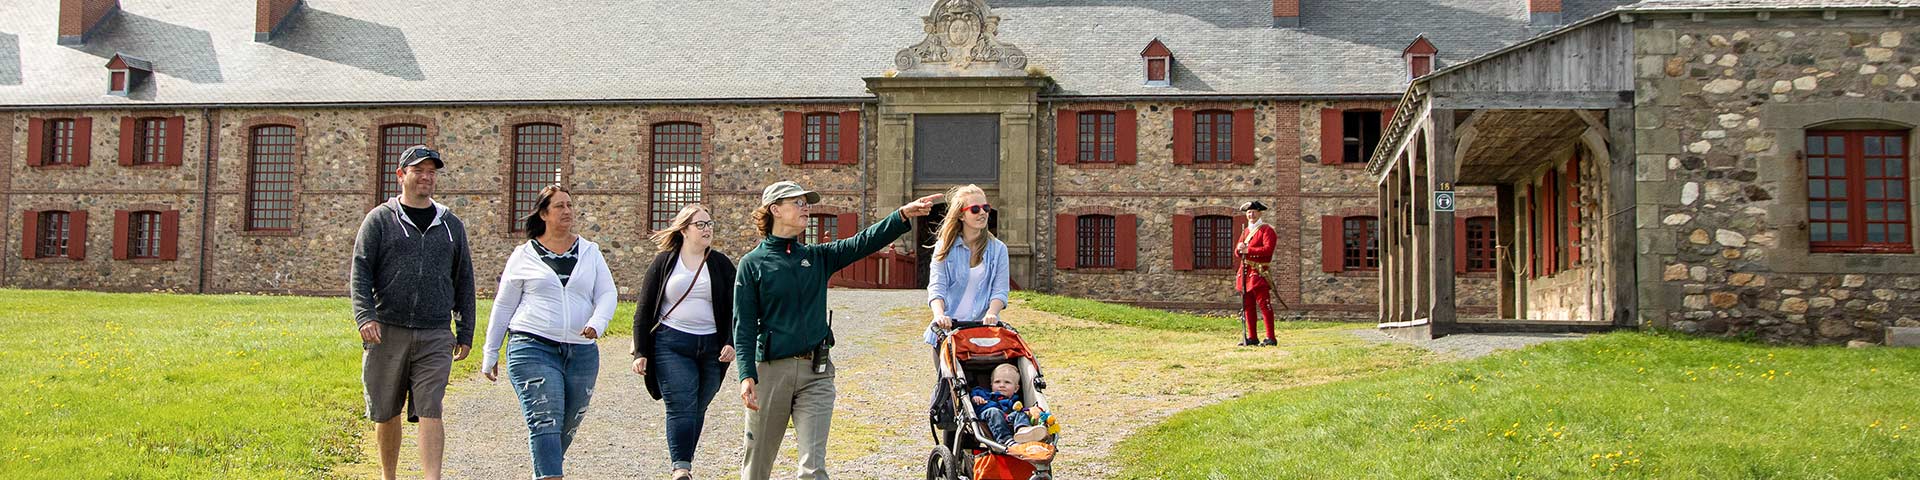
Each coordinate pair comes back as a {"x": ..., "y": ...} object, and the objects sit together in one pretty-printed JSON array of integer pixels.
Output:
[{"x": 947, "y": 279}]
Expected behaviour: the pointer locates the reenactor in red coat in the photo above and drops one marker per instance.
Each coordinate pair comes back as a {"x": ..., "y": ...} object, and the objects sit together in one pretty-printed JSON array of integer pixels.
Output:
[{"x": 1255, "y": 252}]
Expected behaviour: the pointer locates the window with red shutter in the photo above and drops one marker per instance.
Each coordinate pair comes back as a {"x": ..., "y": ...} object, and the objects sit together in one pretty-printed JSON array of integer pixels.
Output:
[
  {"x": 1213, "y": 242},
  {"x": 270, "y": 178},
  {"x": 1480, "y": 244},
  {"x": 1097, "y": 137},
  {"x": 1157, "y": 70},
  {"x": 143, "y": 235},
  {"x": 1360, "y": 133},
  {"x": 152, "y": 141},
  {"x": 822, "y": 131},
  {"x": 1213, "y": 136},
  {"x": 1360, "y": 242},
  {"x": 394, "y": 139},
  {"x": 1857, "y": 195},
  {"x": 54, "y": 237},
  {"x": 822, "y": 228},
  {"x": 677, "y": 174},
  {"x": 1096, "y": 241},
  {"x": 58, "y": 139}
]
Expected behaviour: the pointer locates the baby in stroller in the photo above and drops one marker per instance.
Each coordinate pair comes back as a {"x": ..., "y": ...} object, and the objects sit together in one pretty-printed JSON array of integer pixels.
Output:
[{"x": 1000, "y": 407}]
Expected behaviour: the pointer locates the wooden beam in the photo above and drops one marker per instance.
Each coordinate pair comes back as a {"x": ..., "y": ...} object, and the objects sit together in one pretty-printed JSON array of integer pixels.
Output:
[
  {"x": 1440, "y": 171},
  {"x": 1506, "y": 216},
  {"x": 1623, "y": 276},
  {"x": 1596, "y": 100}
]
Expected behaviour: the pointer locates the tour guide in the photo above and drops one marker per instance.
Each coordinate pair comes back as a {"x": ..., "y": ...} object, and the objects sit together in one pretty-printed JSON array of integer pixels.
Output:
[{"x": 780, "y": 324}]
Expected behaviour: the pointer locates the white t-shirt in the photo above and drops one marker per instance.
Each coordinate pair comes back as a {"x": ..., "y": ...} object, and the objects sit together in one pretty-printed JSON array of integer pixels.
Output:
[
  {"x": 695, "y": 314},
  {"x": 976, "y": 283}
]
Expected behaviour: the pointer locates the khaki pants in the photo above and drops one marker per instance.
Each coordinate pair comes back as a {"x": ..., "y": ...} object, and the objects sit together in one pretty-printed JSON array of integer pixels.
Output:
[{"x": 788, "y": 388}]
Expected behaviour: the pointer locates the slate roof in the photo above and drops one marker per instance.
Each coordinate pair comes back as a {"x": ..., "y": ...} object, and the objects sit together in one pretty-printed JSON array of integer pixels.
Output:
[{"x": 349, "y": 51}]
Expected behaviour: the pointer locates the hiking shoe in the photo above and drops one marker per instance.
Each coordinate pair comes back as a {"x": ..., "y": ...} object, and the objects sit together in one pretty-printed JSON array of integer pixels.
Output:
[
  {"x": 1249, "y": 342},
  {"x": 1268, "y": 343},
  {"x": 1029, "y": 433}
]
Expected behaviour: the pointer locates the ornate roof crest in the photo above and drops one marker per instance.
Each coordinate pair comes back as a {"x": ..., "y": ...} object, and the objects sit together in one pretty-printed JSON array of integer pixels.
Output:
[{"x": 962, "y": 39}]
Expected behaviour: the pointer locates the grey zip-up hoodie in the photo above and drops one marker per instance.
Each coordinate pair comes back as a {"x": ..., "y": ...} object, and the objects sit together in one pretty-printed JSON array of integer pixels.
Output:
[{"x": 413, "y": 277}]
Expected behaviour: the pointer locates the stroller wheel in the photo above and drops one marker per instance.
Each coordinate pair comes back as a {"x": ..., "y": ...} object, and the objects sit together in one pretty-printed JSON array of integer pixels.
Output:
[{"x": 941, "y": 465}]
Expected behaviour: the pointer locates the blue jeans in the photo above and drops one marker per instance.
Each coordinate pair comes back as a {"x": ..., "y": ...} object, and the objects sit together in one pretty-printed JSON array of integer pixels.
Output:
[
  {"x": 690, "y": 372},
  {"x": 1002, "y": 428},
  {"x": 554, "y": 381}
]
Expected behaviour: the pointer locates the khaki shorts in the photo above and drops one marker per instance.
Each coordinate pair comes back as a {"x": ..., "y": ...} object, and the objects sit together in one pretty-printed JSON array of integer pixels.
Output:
[{"x": 409, "y": 366}]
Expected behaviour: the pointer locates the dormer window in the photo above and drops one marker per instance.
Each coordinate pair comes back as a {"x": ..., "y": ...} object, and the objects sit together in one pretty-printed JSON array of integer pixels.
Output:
[
  {"x": 1158, "y": 61},
  {"x": 125, "y": 72},
  {"x": 1419, "y": 56}
]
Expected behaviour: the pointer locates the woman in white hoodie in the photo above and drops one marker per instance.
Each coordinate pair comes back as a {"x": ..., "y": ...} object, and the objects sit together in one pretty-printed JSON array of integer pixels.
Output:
[{"x": 556, "y": 296}]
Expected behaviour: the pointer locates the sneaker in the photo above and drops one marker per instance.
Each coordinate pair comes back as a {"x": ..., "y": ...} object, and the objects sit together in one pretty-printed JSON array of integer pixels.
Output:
[
  {"x": 1249, "y": 342},
  {"x": 1268, "y": 342},
  {"x": 1029, "y": 433}
]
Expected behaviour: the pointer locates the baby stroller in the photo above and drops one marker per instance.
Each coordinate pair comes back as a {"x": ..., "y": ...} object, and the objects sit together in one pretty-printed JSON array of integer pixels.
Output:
[{"x": 965, "y": 447}]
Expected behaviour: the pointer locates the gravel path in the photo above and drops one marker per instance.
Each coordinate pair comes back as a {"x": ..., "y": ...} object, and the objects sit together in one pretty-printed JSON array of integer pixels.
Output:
[{"x": 1471, "y": 345}]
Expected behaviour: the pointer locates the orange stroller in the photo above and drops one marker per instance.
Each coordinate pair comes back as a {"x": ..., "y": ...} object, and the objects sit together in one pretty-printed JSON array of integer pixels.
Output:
[{"x": 965, "y": 447}]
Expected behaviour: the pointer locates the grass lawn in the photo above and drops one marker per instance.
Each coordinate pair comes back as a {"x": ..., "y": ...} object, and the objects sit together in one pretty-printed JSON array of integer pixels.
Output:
[
  {"x": 184, "y": 386},
  {"x": 1622, "y": 405}
]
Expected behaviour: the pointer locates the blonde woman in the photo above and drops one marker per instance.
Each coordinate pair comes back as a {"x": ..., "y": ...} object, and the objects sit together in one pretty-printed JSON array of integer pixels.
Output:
[
  {"x": 683, "y": 330},
  {"x": 968, "y": 277}
]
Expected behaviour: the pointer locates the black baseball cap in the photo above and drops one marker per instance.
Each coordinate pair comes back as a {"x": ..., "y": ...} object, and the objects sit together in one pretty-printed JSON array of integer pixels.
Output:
[{"x": 420, "y": 153}]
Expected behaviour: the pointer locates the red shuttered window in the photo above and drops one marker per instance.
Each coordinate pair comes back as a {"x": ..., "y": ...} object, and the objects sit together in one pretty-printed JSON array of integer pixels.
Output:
[
  {"x": 1095, "y": 245},
  {"x": 54, "y": 235},
  {"x": 271, "y": 176},
  {"x": 1213, "y": 136},
  {"x": 59, "y": 142},
  {"x": 677, "y": 174},
  {"x": 822, "y": 228},
  {"x": 1213, "y": 242},
  {"x": 143, "y": 235},
  {"x": 1480, "y": 244},
  {"x": 152, "y": 134},
  {"x": 1857, "y": 198},
  {"x": 1097, "y": 137},
  {"x": 1360, "y": 242},
  {"x": 1360, "y": 132},
  {"x": 823, "y": 138}
]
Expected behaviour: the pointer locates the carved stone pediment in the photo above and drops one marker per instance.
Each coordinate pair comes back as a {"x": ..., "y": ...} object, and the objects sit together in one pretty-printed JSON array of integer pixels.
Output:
[{"x": 962, "y": 39}]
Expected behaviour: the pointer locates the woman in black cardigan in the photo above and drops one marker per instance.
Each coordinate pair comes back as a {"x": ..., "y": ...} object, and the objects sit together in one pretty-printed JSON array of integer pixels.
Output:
[{"x": 683, "y": 329}]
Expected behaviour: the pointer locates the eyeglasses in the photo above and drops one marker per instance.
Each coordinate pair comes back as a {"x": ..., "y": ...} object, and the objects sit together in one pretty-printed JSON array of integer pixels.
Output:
[
  {"x": 981, "y": 208},
  {"x": 798, "y": 202},
  {"x": 703, "y": 224}
]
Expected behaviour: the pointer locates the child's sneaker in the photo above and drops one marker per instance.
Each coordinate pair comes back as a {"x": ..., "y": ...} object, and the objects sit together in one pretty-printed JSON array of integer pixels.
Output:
[{"x": 1029, "y": 433}]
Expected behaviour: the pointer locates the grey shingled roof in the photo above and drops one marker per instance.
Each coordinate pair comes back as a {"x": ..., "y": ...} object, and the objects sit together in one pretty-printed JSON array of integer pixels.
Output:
[
  {"x": 486, "y": 50},
  {"x": 1650, "y": 5}
]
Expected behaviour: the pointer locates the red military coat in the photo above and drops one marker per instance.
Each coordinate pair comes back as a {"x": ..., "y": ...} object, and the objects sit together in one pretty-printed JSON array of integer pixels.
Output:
[{"x": 1259, "y": 241}]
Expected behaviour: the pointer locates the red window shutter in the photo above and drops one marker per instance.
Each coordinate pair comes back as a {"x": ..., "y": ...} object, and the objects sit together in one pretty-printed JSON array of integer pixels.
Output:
[
  {"x": 850, "y": 137},
  {"x": 1066, "y": 136},
  {"x": 1549, "y": 204},
  {"x": 1183, "y": 242},
  {"x": 82, "y": 141},
  {"x": 845, "y": 224},
  {"x": 1126, "y": 242},
  {"x": 36, "y": 142},
  {"x": 1333, "y": 258},
  {"x": 1064, "y": 248},
  {"x": 30, "y": 234},
  {"x": 1126, "y": 137},
  {"x": 1533, "y": 207},
  {"x": 793, "y": 137},
  {"x": 77, "y": 240},
  {"x": 1332, "y": 135},
  {"x": 1459, "y": 243},
  {"x": 1573, "y": 209},
  {"x": 1182, "y": 136},
  {"x": 117, "y": 81},
  {"x": 129, "y": 140},
  {"x": 170, "y": 235},
  {"x": 120, "y": 234},
  {"x": 176, "y": 135},
  {"x": 1243, "y": 137},
  {"x": 1386, "y": 118}
]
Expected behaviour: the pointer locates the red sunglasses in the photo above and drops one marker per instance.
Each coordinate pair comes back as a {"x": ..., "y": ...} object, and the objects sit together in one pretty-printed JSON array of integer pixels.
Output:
[{"x": 981, "y": 208}]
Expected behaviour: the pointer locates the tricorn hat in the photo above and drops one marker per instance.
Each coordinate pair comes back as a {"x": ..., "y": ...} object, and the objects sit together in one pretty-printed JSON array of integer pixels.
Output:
[{"x": 1253, "y": 205}]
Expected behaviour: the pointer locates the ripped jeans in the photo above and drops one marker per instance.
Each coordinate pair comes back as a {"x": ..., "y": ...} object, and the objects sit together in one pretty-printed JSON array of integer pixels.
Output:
[{"x": 554, "y": 381}]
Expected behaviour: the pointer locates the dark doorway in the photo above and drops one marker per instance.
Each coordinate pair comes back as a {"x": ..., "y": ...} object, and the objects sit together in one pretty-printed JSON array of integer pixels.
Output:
[{"x": 928, "y": 232}]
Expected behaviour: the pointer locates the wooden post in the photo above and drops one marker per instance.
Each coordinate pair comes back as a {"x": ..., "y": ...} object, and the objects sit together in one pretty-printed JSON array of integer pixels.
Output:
[
  {"x": 1384, "y": 295},
  {"x": 1420, "y": 232},
  {"x": 1623, "y": 276},
  {"x": 1440, "y": 173},
  {"x": 1505, "y": 217}
]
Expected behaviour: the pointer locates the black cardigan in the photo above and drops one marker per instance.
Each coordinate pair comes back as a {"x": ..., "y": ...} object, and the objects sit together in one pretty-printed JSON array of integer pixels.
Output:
[{"x": 654, "y": 298}]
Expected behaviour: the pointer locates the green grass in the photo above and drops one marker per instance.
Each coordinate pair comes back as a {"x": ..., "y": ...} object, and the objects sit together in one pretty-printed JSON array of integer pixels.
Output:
[
  {"x": 1622, "y": 405},
  {"x": 1149, "y": 318},
  {"x": 184, "y": 386}
]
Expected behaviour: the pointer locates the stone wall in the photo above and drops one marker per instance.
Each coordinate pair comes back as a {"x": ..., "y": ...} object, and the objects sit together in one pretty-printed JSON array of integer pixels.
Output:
[{"x": 1722, "y": 109}]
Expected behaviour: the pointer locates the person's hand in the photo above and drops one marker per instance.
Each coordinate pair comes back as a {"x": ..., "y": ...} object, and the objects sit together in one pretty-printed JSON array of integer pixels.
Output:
[
  {"x": 589, "y": 333},
  {"x": 990, "y": 319},
  {"x": 979, "y": 401},
  {"x": 920, "y": 207},
  {"x": 640, "y": 366},
  {"x": 726, "y": 353},
  {"x": 492, "y": 373},
  {"x": 370, "y": 332},
  {"x": 460, "y": 352},
  {"x": 747, "y": 395},
  {"x": 943, "y": 321}
]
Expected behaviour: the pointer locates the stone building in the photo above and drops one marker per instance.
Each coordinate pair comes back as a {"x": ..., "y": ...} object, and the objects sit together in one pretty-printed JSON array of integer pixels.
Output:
[
  {"x": 1737, "y": 169},
  {"x": 211, "y": 147}
]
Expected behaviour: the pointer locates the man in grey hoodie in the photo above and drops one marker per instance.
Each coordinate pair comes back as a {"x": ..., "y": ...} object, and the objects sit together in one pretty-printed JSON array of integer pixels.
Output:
[{"x": 412, "y": 272}]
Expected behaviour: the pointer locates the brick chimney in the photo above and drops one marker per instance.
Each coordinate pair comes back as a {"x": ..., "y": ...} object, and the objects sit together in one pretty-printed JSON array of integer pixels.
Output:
[
  {"x": 1544, "y": 12},
  {"x": 79, "y": 18},
  {"x": 270, "y": 15},
  {"x": 1286, "y": 13}
]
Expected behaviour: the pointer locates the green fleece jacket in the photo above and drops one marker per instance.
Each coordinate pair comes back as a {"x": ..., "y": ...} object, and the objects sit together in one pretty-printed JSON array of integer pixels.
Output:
[{"x": 780, "y": 291}]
